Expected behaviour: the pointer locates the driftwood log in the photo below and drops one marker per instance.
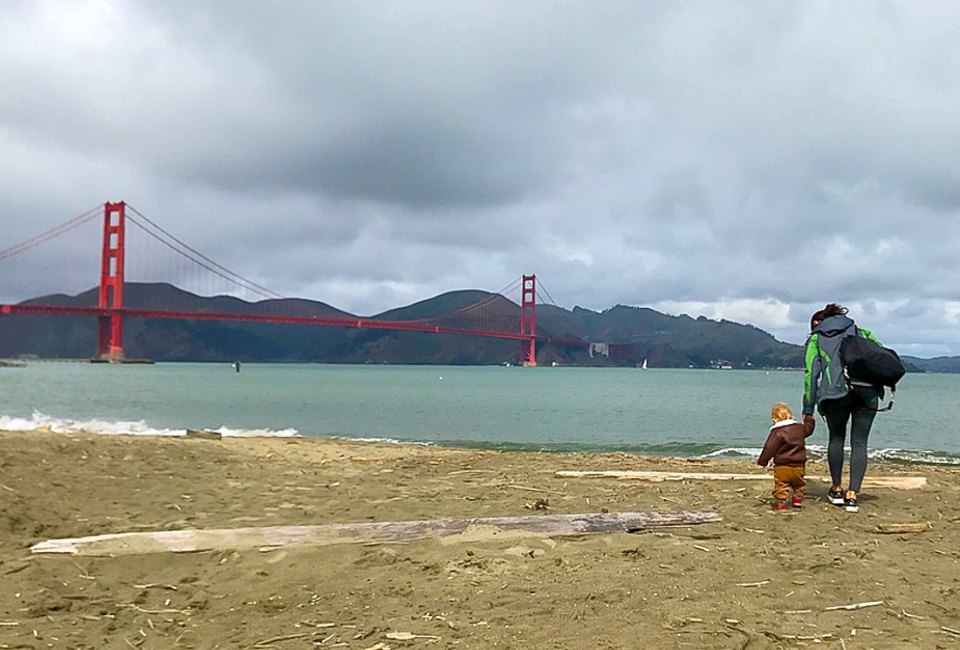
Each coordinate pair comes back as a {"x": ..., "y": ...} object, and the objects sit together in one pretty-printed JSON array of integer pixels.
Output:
[
  {"x": 182, "y": 541},
  {"x": 896, "y": 482}
]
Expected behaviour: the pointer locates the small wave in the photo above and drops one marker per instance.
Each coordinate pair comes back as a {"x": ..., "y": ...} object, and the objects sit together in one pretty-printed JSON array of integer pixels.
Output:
[
  {"x": 256, "y": 433},
  {"x": 915, "y": 457},
  {"x": 388, "y": 441},
  {"x": 42, "y": 422},
  {"x": 733, "y": 452},
  {"x": 818, "y": 452}
]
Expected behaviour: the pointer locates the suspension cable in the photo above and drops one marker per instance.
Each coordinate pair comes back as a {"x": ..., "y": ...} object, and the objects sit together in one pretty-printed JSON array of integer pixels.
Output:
[
  {"x": 564, "y": 319},
  {"x": 202, "y": 260},
  {"x": 54, "y": 232},
  {"x": 480, "y": 304}
]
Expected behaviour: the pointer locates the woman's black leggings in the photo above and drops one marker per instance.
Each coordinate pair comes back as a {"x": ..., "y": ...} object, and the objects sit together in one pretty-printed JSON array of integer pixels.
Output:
[{"x": 860, "y": 405}]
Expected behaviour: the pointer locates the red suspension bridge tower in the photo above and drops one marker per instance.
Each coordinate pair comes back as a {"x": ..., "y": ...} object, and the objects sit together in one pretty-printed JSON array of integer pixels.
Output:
[
  {"x": 110, "y": 326},
  {"x": 528, "y": 320}
]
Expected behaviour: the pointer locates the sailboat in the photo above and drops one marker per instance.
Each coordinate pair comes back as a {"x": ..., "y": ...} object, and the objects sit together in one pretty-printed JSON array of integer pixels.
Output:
[{"x": 643, "y": 365}]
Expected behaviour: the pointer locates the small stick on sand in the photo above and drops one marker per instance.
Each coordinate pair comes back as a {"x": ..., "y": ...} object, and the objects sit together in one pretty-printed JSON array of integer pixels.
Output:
[
  {"x": 938, "y": 605},
  {"x": 285, "y": 637},
  {"x": 533, "y": 489},
  {"x": 758, "y": 583},
  {"x": 950, "y": 630},
  {"x": 894, "y": 529},
  {"x": 155, "y": 611},
  {"x": 407, "y": 636},
  {"x": 798, "y": 637},
  {"x": 872, "y": 603}
]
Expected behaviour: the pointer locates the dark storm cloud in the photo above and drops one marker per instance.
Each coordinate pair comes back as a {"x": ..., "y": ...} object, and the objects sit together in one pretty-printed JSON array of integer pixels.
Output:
[{"x": 743, "y": 160}]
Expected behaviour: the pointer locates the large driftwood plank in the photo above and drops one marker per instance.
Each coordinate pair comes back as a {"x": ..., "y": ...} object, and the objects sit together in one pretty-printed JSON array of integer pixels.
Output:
[
  {"x": 181, "y": 541},
  {"x": 897, "y": 482}
]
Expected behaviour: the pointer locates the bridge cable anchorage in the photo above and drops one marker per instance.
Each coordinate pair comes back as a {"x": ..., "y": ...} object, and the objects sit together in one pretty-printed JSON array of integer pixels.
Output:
[
  {"x": 52, "y": 233},
  {"x": 200, "y": 259}
]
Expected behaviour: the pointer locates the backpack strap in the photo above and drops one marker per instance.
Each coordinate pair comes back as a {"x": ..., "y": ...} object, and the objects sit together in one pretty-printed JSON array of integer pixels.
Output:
[{"x": 888, "y": 407}]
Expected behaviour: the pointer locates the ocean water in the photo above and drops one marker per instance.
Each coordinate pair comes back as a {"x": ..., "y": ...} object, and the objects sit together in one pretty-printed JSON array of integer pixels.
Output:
[{"x": 656, "y": 411}]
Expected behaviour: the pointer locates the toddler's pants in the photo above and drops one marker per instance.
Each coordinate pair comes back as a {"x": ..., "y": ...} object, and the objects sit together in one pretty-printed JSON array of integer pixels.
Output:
[{"x": 786, "y": 477}]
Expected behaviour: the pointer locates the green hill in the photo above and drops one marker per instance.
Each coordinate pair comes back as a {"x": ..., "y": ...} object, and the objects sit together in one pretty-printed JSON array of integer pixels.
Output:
[{"x": 635, "y": 334}]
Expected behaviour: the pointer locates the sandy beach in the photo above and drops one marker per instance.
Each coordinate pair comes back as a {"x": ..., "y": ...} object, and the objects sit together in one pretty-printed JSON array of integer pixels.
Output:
[{"x": 757, "y": 579}]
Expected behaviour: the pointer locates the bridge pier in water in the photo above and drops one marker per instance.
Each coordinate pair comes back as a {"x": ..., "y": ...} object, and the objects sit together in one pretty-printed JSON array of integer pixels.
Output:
[{"x": 110, "y": 325}]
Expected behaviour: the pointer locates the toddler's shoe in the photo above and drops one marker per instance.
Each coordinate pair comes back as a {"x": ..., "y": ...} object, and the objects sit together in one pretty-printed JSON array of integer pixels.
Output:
[
  {"x": 850, "y": 503},
  {"x": 796, "y": 502},
  {"x": 836, "y": 497},
  {"x": 779, "y": 506}
]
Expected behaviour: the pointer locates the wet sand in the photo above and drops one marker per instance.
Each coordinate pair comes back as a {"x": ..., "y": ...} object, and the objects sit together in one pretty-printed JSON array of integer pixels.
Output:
[{"x": 757, "y": 579}]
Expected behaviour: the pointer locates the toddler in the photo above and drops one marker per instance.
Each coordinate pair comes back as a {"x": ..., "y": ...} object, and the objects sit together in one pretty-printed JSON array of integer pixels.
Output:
[{"x": 785, "y": 445}]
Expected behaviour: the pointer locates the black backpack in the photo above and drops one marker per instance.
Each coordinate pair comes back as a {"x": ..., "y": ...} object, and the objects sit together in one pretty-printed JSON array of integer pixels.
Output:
[
  {"x": 866, "y": 362},
  {"x": 869, "y": 363}
]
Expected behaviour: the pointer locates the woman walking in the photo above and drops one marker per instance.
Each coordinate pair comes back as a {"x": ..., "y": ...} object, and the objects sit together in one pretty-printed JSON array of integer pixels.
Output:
[{"x": 839, "y": 400}]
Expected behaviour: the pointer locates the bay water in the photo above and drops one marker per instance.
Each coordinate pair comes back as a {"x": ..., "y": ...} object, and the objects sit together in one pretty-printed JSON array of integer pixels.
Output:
[{"x": 656, "y": 411}]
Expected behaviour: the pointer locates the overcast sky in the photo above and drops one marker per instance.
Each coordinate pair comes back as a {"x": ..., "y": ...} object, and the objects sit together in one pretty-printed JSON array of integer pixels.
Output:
[{"x": 743, "y": 160}]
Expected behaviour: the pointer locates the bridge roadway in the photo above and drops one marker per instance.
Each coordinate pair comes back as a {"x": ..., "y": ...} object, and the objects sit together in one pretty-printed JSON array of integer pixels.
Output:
[{"x": 327, "y": 321}]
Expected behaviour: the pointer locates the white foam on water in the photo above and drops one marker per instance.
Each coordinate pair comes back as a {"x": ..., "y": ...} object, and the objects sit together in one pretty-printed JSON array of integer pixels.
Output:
[
  {"x": 914, "y": 456},
  {"x": 733, "y": 452},
  {"x": 42, "y": 422},
  {"x": 820, "y": 451},
  {"x": 390, "y": 441},
  {"x": 256, "y": 433}
]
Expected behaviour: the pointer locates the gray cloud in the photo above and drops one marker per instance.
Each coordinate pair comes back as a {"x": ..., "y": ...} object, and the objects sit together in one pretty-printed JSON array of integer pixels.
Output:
[{"x": 750, "y": 160}]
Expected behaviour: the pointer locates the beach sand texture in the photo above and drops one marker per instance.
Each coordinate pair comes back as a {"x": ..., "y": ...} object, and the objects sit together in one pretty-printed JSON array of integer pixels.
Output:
[{"x": 756, "y": 579}]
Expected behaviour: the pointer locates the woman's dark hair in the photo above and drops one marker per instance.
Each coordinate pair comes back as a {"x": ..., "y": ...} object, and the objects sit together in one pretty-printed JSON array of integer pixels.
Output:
[{"x": 833, "y": 309}]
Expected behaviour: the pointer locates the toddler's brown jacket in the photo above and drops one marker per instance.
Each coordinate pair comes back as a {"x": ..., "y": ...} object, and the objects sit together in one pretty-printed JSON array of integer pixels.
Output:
[{"x": 785, "y": 444}]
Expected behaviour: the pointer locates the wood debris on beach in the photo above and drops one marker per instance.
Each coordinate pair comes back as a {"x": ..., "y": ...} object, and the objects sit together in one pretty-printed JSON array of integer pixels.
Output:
[
  {"x": 182, "y": 541},
  {"x": 895, "y": 482}
]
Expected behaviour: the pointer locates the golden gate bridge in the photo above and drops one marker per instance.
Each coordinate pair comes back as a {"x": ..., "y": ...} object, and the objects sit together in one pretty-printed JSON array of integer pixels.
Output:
[{"x": 492, "y": 316}]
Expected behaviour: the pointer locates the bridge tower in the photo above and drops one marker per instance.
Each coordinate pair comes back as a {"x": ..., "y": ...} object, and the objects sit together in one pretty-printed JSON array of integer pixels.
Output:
[
  {"x": 110, "y": 325},
  {"x": 528, "y": 320}
]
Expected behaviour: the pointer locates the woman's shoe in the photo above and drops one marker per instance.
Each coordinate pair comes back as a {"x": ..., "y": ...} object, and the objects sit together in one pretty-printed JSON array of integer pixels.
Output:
[
  {"x": 850, "y": 503},
  {"x": 796, "y": 502},
  {"x": 835, "y": 496}
]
